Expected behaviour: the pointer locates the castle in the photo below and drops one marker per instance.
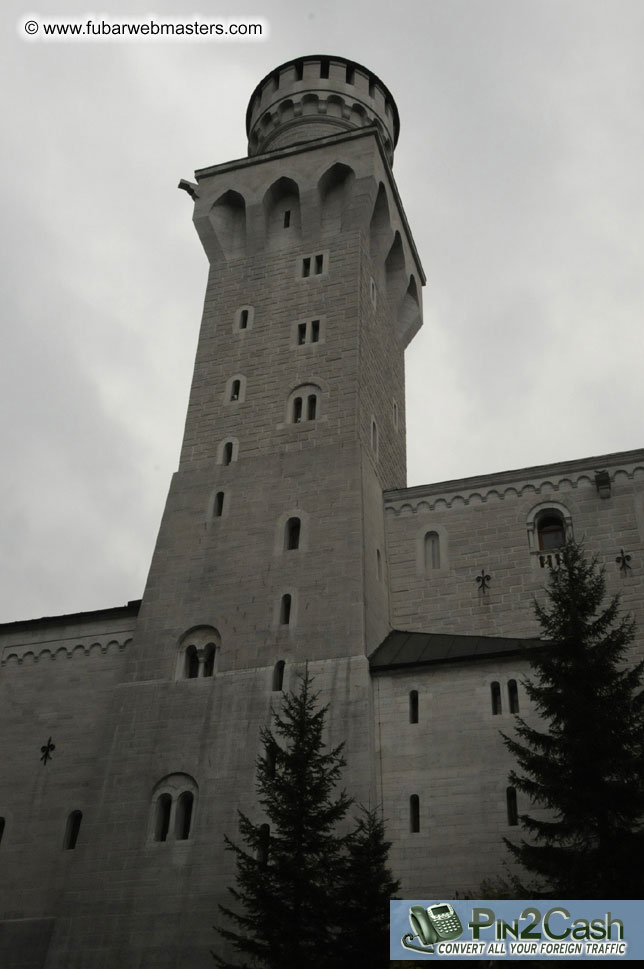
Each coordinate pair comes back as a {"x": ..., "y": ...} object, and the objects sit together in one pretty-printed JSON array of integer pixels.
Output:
[{"x": 130, "y": 734}]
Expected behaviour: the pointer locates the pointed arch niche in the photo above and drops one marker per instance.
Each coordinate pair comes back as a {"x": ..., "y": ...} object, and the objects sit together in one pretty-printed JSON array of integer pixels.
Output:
[
  {"x": 335, "y": 188},
  {"x": 282, "y": 218},
  {"x": 228, "y": 218}
]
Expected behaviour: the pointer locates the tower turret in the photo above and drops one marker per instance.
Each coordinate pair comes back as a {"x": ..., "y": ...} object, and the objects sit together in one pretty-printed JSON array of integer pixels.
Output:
[{"x": 312, "y": 97}]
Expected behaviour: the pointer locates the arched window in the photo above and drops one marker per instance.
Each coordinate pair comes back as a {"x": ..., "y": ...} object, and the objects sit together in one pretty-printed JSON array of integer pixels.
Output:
[
  {"x": 71, "y": 830},
  {"x": 278, "y": 676},
  {"x": 511, "y": 801},
  {"x": 551, "y": 531},
  {"x": 183, "y": 816},
  {"x": 197, "y": 653},
  {"x": 495, "y": 690},
  {"x": 227, "y": 455},
  {"x": 413, "y": 706},
  {"x": 292, "y": 534},
  {"x": 244, "y": 318},
  {"x": 192, "y": 663},
  {"x": 285, "y": 610},
  {"x": 235, "y": 389},
  {"x": 173, "y": 808},
  {"x": 432, "y": 552},
  {"x": 414, "y": 814},
  {"x": 162, "y": 817},
  {"x": 263, "y": 843},
  {"x": 218, "y": 507},
  {"x": 513, "y": 696},
  {"x": 304, "y": 404}
]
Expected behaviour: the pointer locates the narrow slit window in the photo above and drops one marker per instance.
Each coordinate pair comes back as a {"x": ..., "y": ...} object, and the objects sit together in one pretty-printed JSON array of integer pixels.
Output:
[
  {"x": 2, "y": 823},
  {"x": 192, "y": 663},
  {"x": 285, "y": 610},
  {"x": 292, "y": 534},
  {"x": 513, "y": 696},
  {"x": 374, "y": 436},
  {"x": 315, "y": 331},
  {"x": 278, "y": 676},
  {"x": 350, "y": 74},
  {"x": 219, "y": 504},
  {"x": 162, "y": 818},
  {"x": 414, "y": 814},
  {"x": 235, "y": 390},
  {"x": 301, "y": 333},
  {"x": 263, "y": 843},
  {"x": 319, "y": 265},
  {"x": 271, "y": 760},
  {"x": 287, "y": 218},
  {"x": 306, "y": 266},
  {"x": 312, "y": 407},
  {"x": 413, "y": 706},
  {"x": 379, "y": 564},
  {"x": 228, "y": 452},
  {"x": 395, "y": 414},
  {"x": 432, "y": 552},
  {"x": 495, "y": 690},
  {"x": 324, "y": 67},
  {"x": 511, "y": 800},
  {"x": 183, "y": 816},
  {"x": 72, "y": 829},
  {"x": 243, "y": 320},
  {"x": 209, "y": 662},
  {"x": 297, "y": 410}
]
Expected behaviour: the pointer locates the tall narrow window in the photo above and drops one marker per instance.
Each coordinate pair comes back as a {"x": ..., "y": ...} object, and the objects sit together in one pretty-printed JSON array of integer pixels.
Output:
[
  {"x": 324, "y": 67},
  {"x": 374, "y": 436},
  {"x": 513, "y": 696},
  {"x": 243, "y": 320},
  {"x": 312, "y": 403},
  {"x": 72, "y": 829},
  {"x": 1, "y": 829},
  {"x": 297, "y": 410},
  {"x": 414, "y": 814},
  {"x": 511, "y": 800},
  {"x": 228, "y": 452},
  {"x": 209, "y": 660},
  {"x": 413, "y": 706},
  {"x": 183, "y": 816},
  {"x": 379, "y": 564},
  {"x": 271, "y": 760},
  {"x": 235, "y": 388},
  {"x": 319, "y": 264},
  {"x": 192, "y": 663},
  {"x": 306, "y": 266},
  {"x": 287, "y": 218},
  {"x": 395, "y": 414},
  {"x": 495, "y": 690},
  {"x": 315, "y": 331},
  {"x": 218, "y": 509},
  {"x": 263, "y": 843},
  {"x": 162, "y": 817},
  {"x": 301, "y": 334},
  {"x": 292, "y": 534},
  {"x": 285, "y": 610},
  {"x": 278, "y": 676},
  {"x": 432, "y": 552}
]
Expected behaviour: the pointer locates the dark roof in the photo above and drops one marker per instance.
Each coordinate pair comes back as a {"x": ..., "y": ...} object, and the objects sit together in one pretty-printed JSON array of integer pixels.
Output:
[
  {"x": 95, "y": 615},
  {"x": 402, "y": 649}
]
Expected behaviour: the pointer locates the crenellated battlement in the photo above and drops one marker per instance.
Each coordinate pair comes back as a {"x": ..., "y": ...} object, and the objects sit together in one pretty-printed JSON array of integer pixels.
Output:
[{"x": 312, "y": 97}]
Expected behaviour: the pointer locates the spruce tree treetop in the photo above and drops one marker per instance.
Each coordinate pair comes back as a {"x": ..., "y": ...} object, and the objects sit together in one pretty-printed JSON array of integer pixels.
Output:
[{"x": 583, "y": 761}]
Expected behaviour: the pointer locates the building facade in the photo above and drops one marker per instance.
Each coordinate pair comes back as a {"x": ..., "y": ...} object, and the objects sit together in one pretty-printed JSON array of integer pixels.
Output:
[{"x": 289, "y": 537}]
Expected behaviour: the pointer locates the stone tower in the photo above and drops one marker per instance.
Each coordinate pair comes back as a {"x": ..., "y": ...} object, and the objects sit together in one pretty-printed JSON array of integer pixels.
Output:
[{"x": 271, "y": 551}]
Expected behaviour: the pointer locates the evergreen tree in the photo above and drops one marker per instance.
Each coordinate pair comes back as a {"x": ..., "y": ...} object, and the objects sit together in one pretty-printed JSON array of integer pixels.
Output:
[
  {"x": 289, "y": 880},
  {"x": 586, "y": 765},
  {"x": 367, "y": 890}
]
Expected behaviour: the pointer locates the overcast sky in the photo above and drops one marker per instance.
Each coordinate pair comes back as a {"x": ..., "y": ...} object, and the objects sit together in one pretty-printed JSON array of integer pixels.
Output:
[{"x": 520, "y": 164}]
